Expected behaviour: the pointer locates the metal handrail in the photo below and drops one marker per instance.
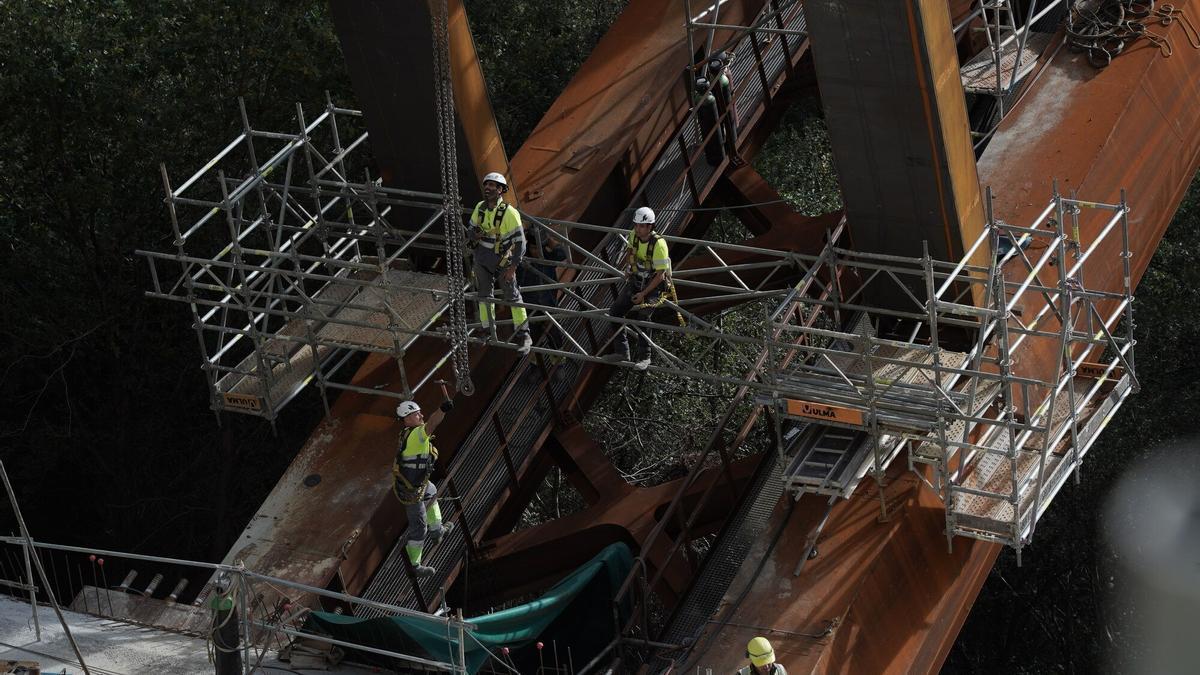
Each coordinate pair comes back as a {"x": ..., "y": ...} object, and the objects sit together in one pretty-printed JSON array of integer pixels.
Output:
[{"x": 453, "y": 624}]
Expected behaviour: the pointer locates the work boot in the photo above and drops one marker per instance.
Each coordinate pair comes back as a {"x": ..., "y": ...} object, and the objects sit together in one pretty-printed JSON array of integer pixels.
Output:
[
  {"x": 618, "y": 356},
  {"x": 523, "y": 341},
  {"x": 423, "y": 571},
  {"x": 436, "y": 535},
  {"x": 642, "y": 363},
  {"x": 620, "y": 350}
]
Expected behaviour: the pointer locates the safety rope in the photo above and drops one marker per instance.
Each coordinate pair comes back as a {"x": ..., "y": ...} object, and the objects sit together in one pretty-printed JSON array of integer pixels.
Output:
[
  {"x": 451, "y": 206},
  {"x": 662, "y": 299},
  {"x": 1103, "y": 28}
]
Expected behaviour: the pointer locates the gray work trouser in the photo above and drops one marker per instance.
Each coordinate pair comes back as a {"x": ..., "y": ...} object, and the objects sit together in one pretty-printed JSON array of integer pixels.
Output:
[
  {"x": 416, "y": 514},
  {"x": 487, "y": 272}
]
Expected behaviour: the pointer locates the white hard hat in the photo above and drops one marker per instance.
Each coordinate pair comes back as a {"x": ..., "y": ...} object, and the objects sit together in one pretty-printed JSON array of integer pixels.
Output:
[
  {"x": 496, "y": 177},
  {"x": 407, "y": 408},
  {"x": 644, "y": 215}
]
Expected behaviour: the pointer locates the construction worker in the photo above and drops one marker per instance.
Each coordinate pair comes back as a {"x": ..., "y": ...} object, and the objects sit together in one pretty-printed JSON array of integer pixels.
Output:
[
  {"x": 647, "y": 279},
  {"x": 541, "y": 268},
  {"x": 498, "y": 242},
  {"x": 762, "y": 659},
  {"x": 708, "y": 115},
  {"x": 411, "y": 472}
]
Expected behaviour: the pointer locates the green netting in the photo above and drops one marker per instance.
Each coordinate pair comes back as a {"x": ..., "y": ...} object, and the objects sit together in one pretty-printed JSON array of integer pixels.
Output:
[{"x": 577, "y": 608}]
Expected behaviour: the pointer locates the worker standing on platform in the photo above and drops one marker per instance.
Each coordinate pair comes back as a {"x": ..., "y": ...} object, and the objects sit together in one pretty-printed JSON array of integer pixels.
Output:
[
  {"x": 647, "y": 279},
  {"x": 762, "y": 659},
  {"x": 498, "y": 242},
  {"x": 411, "y": 473}
]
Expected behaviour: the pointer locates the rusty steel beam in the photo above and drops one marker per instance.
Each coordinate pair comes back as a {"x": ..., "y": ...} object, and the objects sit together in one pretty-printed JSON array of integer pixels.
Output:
[
  {"x": 894, "y": 104},
  {"x": 887, "y": 596},
  {"x": 600, "y": 137},
  {"x": 388, "y": 47},
  {"x": 1134, "y": 125},
  {"x": 881, "y": 596},
  {"x": 533, "y": 558}
]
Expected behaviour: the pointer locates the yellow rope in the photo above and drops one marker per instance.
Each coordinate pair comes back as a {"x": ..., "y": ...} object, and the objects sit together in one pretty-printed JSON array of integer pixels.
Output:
[{"x": 662, "y": 298}]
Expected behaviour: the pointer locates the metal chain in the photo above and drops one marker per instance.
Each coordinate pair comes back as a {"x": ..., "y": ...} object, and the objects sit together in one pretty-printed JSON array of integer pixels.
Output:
[
  {"x": 1104, "y": 28},
  {"x": 451, "y": 204}
]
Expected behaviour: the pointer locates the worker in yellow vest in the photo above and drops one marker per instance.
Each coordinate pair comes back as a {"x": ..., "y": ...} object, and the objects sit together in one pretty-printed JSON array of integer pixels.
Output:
[
  {"x": 411, "y": 473},
  {"x": 498, "y": 242},
  {"x": 762, "y": 659},
  {"x": 647, "y": 279}
]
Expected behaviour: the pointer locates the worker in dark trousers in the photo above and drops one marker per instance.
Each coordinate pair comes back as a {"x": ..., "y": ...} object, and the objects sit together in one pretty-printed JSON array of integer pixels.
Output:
[
  {"x": 708, "y": 116},
  {"x": 497, "y": 240},
  {"x": 647, "y": 279},
  {"x": 718, "y": 74},
  {"x": 541, "y": 269},
  {"x": 762, "y": 659},
  {"x": 411, "y": 473}
]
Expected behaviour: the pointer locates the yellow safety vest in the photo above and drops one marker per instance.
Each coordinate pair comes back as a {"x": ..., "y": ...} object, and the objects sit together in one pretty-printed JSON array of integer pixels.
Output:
[
  {"x": 501, "y": 226},
  {"x": 649, "y": 256},
  {"x": 413, "y": 465}
]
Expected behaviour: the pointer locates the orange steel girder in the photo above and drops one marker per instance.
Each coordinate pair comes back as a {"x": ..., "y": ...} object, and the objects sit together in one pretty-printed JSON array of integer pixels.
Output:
[
  {"x": 880, "y": 597},
  {"x": 533, "y": 558},
  {"x": 888, "y": 72},
  {"x": 886, "y": 596}
]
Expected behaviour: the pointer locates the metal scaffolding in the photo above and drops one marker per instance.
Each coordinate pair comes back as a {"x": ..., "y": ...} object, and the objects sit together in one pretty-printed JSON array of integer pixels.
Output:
[
  {"x": 313, "y": 270},
  {"x": 1018, "y": 37},
  {"x": 1000, "y": 439},
  {"x": 291, "y": 267},
  {"x": 288, "y": 276}
]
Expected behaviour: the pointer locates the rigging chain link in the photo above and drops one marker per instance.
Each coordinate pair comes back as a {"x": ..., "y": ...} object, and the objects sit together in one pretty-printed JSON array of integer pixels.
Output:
[{"x": 451, "y": 204}]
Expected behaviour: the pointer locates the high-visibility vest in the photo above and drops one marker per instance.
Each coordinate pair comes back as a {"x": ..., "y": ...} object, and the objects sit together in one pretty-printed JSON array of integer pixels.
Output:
[
  {"x": 413, "y": 465},
  {"x": 501, "y": 226},
  {"x": 649, "y": 256}
]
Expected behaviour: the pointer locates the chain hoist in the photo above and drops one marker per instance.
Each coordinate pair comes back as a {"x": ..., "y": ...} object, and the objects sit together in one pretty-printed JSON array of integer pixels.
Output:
[{"x": 451, "y": 206}]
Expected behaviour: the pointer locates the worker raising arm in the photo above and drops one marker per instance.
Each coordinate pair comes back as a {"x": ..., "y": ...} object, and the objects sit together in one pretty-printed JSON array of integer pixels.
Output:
[{"x": 411, "y": 473}]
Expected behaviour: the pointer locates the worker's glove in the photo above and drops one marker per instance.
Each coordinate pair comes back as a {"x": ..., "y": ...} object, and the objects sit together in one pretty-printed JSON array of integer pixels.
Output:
[{"x": 446, "y": 406}]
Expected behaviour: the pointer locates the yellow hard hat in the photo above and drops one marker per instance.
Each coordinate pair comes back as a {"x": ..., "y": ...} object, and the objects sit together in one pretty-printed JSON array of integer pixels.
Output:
[{"x": 760, "y": 653}]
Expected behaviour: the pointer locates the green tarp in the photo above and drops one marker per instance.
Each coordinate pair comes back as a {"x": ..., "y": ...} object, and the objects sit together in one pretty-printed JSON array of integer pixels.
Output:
[{"x": 578, "y": 609}]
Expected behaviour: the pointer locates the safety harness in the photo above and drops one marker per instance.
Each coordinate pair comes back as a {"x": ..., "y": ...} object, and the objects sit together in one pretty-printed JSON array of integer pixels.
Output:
[
  {"x": 495, "y": 240},
  {"x": 641, "y": 278},
  {"x": 410, "y": 475}
]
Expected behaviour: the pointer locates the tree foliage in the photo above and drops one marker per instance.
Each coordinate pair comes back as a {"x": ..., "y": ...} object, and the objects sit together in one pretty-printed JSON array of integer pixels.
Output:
[
  {"x": 530, "y": 49},
  {"x": 104, "y": 406}
]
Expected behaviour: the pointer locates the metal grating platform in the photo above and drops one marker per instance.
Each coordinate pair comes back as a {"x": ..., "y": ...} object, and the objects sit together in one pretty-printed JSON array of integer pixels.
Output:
[
  {"x": 979, "y": 74},
  {"x": 901, "y": 382},
  {"x": 992, "y": 471},
  {"x": 369, "y": 300},
  {"x": 743, "y": 528}
]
